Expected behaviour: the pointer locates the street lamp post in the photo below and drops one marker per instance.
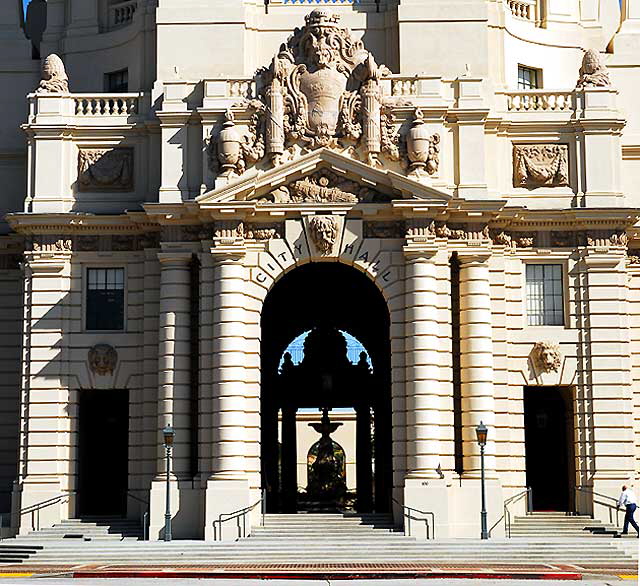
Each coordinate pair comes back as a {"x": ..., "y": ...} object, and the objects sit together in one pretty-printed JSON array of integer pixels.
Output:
[
  {"x": 481, "y": 434},
  {"x": 168, "y": 434}
]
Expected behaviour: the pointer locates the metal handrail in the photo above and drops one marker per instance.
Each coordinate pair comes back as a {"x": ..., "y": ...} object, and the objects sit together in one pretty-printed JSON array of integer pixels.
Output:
[
  {"x": 241, "y": 518},
  {"x": 407, "y": 514},
  {"x": 511, "y": 500},
  {"x": 144, "y": 518},
  {"x": 37, "y": 507},
  {"x": 612, "y": 507}
]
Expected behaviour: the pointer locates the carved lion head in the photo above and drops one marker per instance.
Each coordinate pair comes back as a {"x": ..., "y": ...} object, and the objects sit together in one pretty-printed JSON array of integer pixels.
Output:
[
  {"x": 547, "y": 356},
  {"x": 324, "y": 233},
  {"x": 102, "y": 359}
]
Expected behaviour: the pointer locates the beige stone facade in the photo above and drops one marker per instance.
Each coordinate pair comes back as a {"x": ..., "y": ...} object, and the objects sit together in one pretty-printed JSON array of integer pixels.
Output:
[{"x": 381, "y": 147}]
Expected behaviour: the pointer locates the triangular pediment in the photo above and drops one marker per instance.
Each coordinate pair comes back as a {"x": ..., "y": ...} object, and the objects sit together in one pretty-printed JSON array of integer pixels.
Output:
[{"x": 323, "y": 177}]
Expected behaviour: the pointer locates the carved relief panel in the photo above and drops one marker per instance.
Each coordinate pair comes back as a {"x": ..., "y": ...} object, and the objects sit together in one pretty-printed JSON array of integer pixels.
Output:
[
  {"x": 110, "y": 169},
  {"x": 539, "y": 165}
]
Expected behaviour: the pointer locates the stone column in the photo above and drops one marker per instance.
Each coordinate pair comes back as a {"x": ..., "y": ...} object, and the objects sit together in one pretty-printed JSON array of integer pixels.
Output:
[
  {"x": 174, "y": 332},
  {"x": 476, "y": 363},
  {"x": 46, "y": 458},
  {"x": 363, "y": 459},
  {"x": 228, "y": 486},
  {"x": 289, "y": 460},
  {"x": 627, "y": 41},
  {"x": 422, "y": 368},
  {"x": 424, "y": 489},
  {"x": 604, "y": 400}
]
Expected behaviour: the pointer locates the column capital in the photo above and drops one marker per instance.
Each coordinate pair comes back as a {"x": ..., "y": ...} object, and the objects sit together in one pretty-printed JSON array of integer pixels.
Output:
[
  {"x": 475, "y": 256},
  {"x": 420, "y": 251},
  {"x": 175, "y": 258},
  {"x": 227, "y": 252}
]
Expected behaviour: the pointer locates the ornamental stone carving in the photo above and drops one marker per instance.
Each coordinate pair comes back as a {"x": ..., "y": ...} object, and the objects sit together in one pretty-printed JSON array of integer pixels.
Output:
[
  {"x": 546, "y": 356},
  {"x": 323, "y": 231},
  {"x": 593, "y": 72},
  {"x": 538, "y": 165},
  {"x": 231, "y": 151},
  {"x": 54, "y": 76},
  {"x": 324, "y": 186},
  {"x": 423, "y": 151},
  {"x": 105, "y": 169},
  {"x": 384, "y": 229},
  {"x": 322, "y": 86},
  {"x": 52, "y": 243},
  {"x": 102, "y": 359}
]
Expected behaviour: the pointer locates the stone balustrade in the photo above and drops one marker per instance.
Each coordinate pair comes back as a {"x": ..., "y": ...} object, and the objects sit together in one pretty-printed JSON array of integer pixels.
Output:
[
  {"x": 106, "y": 105},
  {"x": 87, "y": 109},
  {"x": 524, "y": 9},
  {"x": 122, "y": 13},
  {"x": 241, "y": 88},
  {"x": 540, "y": 100}
]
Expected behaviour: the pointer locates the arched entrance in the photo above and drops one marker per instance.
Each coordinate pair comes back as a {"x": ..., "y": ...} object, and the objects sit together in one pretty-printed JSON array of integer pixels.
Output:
[{"x": 325, "y": 299}]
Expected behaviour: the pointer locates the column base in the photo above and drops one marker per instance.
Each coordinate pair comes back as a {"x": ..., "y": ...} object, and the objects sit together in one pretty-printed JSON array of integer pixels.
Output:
[
  {"x": 225, "y": 496},
  {"x": 426, "y": 494},
  {"x": 29, "y": 493},
  {"x": 466, "y": 504},
  {"x": 186, "y": 509}
]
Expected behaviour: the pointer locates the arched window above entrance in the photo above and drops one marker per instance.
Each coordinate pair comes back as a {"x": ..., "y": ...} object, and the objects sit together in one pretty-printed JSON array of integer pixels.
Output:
[{"x": 356, "y": 352}]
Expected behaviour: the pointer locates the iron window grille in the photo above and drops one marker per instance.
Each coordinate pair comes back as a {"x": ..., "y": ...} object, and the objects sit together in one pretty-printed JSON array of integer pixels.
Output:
[
  {"x": 105, "y": 299},
  {"x": 545, "y": 298}
]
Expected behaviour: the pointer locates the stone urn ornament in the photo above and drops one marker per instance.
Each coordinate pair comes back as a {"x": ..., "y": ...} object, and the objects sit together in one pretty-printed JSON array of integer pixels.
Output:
[
  {"x": 229, "y": 148},
  {"x": 422, "y": 148}
]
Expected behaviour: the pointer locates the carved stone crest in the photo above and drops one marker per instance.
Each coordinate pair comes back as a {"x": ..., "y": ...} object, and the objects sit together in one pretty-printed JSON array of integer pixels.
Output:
[
  {"x": 324, "y": 186},
  {"x": 322, "y": 86},
  {"x": 54, "y": 76},
  {"x": 593, "y": 72},
  {"x": 547, "y": 356},
  {"x": 537, "y": 165},
  {"x": 323, "y": 231},
  {"x": 105, "y": 169},
  {"x": 102, "y": 359}
]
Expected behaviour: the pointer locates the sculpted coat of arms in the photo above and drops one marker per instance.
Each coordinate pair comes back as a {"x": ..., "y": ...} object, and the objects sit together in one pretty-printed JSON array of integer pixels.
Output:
[{"x": 322, "y": 89}]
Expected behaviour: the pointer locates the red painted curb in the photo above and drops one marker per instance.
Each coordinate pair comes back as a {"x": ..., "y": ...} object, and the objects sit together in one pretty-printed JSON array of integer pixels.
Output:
[{"x": 329, "y": 575}]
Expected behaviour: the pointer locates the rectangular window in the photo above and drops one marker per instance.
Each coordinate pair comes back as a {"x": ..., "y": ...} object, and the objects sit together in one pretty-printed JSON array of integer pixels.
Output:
[
  {"x": 105, "y": 299},
  {"x": 545, "y": 299},
  {"x": 529, "y": 78},
  {"x": 117, "y": 82}
]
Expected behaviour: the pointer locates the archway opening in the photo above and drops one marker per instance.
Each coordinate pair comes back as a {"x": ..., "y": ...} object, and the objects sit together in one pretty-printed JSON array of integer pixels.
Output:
[{"x": 334, "y": 313}]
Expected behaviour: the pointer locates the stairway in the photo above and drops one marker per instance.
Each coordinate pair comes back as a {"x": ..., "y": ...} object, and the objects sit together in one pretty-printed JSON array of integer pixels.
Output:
[
  {"x": 330, "y": 539},
  {"x": 558, "y": 524},
  {"x": 88, "y": 529}
]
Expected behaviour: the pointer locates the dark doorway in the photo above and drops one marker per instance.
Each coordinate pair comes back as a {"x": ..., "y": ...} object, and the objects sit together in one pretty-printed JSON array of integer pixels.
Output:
[
  {"x": 548, "y": 431},
  {"x": 324, "y": 299},
  {"x": 103, "y": 458}
]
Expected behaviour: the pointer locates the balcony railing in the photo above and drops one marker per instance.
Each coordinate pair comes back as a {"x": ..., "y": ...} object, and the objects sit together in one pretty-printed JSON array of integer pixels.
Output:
[
  {"x": 122, "y": 13},
  {"x": 106, "y": 105},
  {"x": 94, "y": 108},
  {"x": 540, "y": 101},
  {"x": 529, "y": 10}
]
